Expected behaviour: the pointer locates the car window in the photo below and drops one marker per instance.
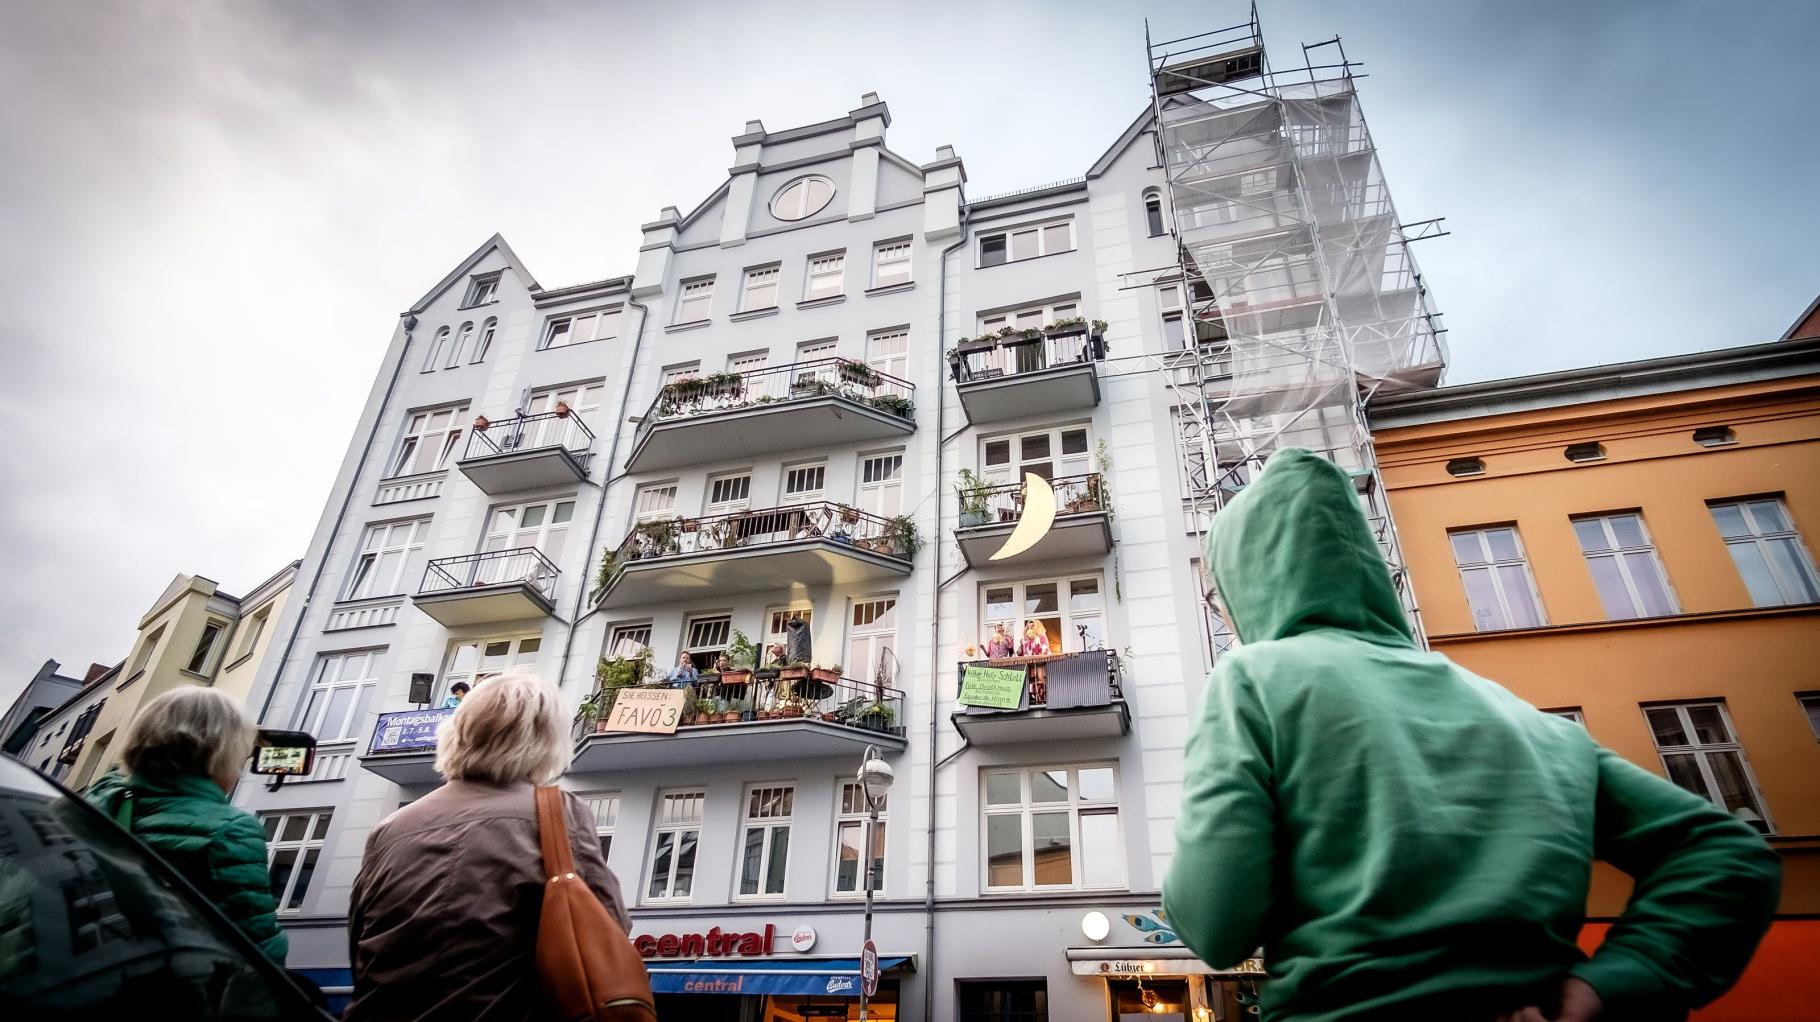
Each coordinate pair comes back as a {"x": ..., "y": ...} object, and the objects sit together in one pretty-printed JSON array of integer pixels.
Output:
[{"x": 91, "y": 928}]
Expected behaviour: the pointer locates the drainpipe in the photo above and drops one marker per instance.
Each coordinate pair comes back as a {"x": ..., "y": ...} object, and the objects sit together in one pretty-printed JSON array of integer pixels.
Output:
[
  {"x": 935, "y": 611},
  {"x": 607, "y": 480},
  {"x": 347, "y": 499}
]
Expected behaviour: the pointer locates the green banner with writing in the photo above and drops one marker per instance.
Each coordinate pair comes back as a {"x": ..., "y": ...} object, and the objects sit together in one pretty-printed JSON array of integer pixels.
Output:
[{"x": 996, "y": 688}]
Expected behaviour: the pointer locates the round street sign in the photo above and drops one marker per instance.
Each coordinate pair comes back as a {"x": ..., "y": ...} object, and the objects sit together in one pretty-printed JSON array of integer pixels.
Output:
[{"x": 868, "y": 969}]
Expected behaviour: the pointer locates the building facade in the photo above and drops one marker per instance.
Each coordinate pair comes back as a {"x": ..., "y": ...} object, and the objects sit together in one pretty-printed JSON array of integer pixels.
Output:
[
  {"x": 41, "y": 696},
  {"x": 1632, "y": 546}
]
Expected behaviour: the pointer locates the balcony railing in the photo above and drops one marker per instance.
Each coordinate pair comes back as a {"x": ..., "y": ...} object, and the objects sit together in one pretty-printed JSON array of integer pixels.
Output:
[
  {"x": 836, "y": 377},
  {"x": 764, "y": 698},
  {"x": 1004, "y": 503},
  {"x": 991, "y": 358},
  {"x": 522, "y": 434},
  {"x": 1058, "y": 681},
  {"x": 824, "y": 520},
  {"x": 525, "y": 565}
]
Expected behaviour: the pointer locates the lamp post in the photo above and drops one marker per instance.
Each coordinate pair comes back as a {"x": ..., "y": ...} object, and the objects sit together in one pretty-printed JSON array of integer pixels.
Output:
[{"x": 875, "y": 776}]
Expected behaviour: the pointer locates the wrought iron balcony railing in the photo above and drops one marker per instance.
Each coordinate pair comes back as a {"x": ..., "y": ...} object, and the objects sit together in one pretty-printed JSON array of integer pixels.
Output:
[
  {"x": 1004, "y": 502},
  {"x": 522, "y": 434},
  {"x": 525, "y": 565},
  {"x": 766, "y": 696},
  {"x": 824, "y": 520},
  {"x": 991, "y": 358},
  {"x": 837, "y": 377}
]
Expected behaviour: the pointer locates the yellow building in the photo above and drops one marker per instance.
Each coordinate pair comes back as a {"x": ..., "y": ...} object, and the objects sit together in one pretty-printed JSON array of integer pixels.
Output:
[
  {"x": 194, "y": 634},
  {"x": 1631, "y": 545}
]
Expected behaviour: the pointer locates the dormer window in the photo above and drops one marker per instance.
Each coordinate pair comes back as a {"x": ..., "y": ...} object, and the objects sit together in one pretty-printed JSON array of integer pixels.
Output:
[
  {"x": 481, "y": 290},
  {"x": 802, "y": 198}
]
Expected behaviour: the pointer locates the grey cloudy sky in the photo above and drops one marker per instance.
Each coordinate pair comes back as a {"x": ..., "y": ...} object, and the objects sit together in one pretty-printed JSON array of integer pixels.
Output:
[{"x": 214, "y": 211}]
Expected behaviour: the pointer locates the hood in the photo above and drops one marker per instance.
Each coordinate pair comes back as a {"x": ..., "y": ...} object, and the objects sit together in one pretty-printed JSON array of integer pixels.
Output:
[{"x": 1293, "y": 553}]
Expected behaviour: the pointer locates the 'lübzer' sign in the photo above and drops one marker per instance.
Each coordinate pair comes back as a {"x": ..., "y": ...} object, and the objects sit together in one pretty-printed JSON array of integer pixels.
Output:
[
  {"x": 713, "y": 944},
  {"x": 654, "y": 711}
]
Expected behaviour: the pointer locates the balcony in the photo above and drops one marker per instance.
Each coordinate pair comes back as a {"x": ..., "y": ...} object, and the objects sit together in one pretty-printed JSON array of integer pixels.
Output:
[
  {"x": 763, "y": 719},
  {"x": 403, "y": 749},
  {"x": 527, "y": 452},
  {"x": 1082, "y": 526},
  {"x": 485, "y": 588},
  {"x": 1035, "y": 372},
  {"x": 724, "y": 416},
  {"x": 778, "y": 549},
  {"x": 1064, "y": 697}
]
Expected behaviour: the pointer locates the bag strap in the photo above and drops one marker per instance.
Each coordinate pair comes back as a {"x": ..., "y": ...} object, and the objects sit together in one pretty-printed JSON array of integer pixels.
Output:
[
  {"x": 553, "y": 833},
  {"x": 123, "y": 813}
]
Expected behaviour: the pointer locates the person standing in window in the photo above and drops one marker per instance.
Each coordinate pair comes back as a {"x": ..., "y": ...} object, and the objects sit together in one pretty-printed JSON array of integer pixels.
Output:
[
  {"x": 183, "y": 754},
  {"x": 684, "y": 673},
  {"x": 443, "y": 919},
  {"x": 999, "y": 644},
  {"x": 1408, "y": 840},
  {"x": 457, "y": 692},
  {"x": 1036, "y": 640}
]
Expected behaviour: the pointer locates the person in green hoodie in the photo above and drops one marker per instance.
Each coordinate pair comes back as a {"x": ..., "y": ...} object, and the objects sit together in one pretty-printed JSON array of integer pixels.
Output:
[
  {"x": 183, "y": 753},
  {"x": 1407, "y": 840}
]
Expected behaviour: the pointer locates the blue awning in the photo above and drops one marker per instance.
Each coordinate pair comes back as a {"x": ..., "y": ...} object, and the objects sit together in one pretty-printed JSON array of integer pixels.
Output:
[{"x": 838, "y": 977}]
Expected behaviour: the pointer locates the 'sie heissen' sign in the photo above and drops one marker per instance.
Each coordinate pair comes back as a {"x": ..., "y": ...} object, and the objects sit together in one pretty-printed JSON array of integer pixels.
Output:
[{"x": 654, "y": 711}]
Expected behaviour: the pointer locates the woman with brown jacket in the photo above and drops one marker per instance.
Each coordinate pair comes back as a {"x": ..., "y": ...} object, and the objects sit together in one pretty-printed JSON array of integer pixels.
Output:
[{"x": 443, "y": 922}]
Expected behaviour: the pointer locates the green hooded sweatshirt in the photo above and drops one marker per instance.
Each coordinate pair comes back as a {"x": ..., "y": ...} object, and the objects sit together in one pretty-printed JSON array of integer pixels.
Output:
[
  {"x": 220, "y": 849},
  {"x": 1406, "y": 839}
]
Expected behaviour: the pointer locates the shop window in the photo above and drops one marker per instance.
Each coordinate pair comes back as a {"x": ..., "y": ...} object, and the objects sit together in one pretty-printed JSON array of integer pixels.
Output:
[{"x": 1025, "y": 1000}]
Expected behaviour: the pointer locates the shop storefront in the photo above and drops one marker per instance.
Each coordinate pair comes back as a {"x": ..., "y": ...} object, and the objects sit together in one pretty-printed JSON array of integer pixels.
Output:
[
  {"x": 762, "y": 973},
  {"x": 1168, "y": 984}
]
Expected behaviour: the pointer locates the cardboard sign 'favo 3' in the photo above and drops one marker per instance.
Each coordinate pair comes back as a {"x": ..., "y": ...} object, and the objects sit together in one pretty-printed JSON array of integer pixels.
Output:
[{"x": 654, "y": 711}]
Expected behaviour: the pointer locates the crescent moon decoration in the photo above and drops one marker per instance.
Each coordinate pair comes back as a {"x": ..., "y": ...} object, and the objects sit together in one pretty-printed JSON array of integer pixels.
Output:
[{"x": 1037, "y": 519}]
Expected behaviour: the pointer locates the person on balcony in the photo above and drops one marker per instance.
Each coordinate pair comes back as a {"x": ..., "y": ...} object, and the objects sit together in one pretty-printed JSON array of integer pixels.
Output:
[
  {"x": 684, "y": 673},
  {"x": 1036, "y": 640},
  {"x": 457, "y": 692},
  {"x": 1408, "y": 840},
  {"x": 999, "y": 644}
]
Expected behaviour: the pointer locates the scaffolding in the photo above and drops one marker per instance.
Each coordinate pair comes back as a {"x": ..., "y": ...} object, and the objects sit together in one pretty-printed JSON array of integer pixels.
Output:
[{"x": 1301, "y": 297}]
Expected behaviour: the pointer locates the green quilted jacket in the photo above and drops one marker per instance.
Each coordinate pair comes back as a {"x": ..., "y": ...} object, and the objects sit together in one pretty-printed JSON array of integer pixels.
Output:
[{"x": 218, "y": 848}]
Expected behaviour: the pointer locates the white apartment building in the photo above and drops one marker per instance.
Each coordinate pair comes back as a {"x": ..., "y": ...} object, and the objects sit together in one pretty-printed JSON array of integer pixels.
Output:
[{"x": 818, "y": 397}]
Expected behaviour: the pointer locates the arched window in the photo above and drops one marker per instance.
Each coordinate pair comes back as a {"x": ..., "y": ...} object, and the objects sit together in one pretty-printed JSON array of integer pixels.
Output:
[
  {"x": 461, "y": 344},
  {"x": 802, "y": 198},
  {"x": 1153, "y": 212},
  {"x": 486, "y": 340},
  {"x": 437, "y": 344}
]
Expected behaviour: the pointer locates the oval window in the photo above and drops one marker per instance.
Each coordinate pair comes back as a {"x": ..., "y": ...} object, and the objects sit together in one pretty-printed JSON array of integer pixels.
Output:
[{"x": 803, "y": 197}]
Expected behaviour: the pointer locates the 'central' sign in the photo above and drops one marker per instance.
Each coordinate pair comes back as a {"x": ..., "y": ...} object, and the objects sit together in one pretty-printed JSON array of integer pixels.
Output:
[{"x": 713, "y": 944}]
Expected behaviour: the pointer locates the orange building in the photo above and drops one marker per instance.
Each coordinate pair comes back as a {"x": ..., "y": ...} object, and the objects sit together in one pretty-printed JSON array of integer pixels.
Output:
[{"x": 1632, "y": 545}]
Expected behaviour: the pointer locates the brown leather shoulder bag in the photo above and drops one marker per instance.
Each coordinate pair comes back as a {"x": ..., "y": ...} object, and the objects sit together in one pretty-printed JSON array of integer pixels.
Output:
[{"x": 589, "y": 970}]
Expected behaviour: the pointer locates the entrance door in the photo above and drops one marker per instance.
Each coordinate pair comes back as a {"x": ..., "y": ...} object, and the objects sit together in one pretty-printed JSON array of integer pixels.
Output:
[{"x": 1149, "y": 1000}]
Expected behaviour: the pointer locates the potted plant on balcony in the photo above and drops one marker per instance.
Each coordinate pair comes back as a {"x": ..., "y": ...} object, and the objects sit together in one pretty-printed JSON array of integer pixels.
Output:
[
  {"x": 1068, "y": 327},
  {"x": 860, "y": 374},
  {"x": 895, "y": 404},
  {"x": 740, "y": 655},
  {"x": 972, "y": 491},
  {"x": 658, "y": 538},
  {"x": 877, "y": 716},
  {"x": 707, "y": 711},
  {"x": 901, "y": 537},
  {"x": 1097, "y": 340}
]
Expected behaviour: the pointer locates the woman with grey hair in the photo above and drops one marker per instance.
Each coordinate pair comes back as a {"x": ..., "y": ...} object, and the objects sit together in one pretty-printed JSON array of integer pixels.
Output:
[
  {"x": 443, "y": 920},
  {"x": 182, "y": 755}
]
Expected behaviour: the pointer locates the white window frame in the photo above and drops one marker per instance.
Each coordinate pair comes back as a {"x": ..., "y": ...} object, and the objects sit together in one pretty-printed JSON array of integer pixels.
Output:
[
  {"x": 887, "y": 257},
  {"x": 439, "y": 342},
  {"x": 775, "y": 815},
  {"x": 202, "y": 658},
  {"x": 892, "y": 363},
  {"x": 1622, "y": 556},
  {"x": 1061, "y": 466},
  {"x": 1028, "y": 317},
  {"x": 1075, "y": 806},
  {"x": 403, "y": 540},
  {"x": 819, "y": 270},
  {"x": 505, "y": 530},
  {"x": 604, "y": 806},
  {"x": 515, "y": 657},
  {"x": 355, "y": 672},
  {"x": 251, "y": 629},
  {"x": 424, "y": 431},
  {"x": 146, "y": 649},
  {"x": 685, "y": 820},
  {"x": 581, "y": 328},
  {"x": 1701, "y": 752},
  {"x": 487, "y": 331},
  {"x": 1573, "y": 713},
  {"x": 462, "y": 337},
  {"x": 759, "y": 282},
  {"x": 863, "y": 616},
  {"x": 806, "y": 471},
  {"x": 1161, "y": 227},
  {"x": 850, "y": 813},
  {"x": 483, "y": 289},
  {"x": 820, "y": 348},
  {"x": 1010, "y": 235},
  {"x": 790, "y": 203},
  {"x": 654, "y": 502},
  {"x": 880, "y": 483},
  {"x": 1793, "y": 588},
  {"x": 1070, "y": 638},
  {"x": 1490, "y": 565},
  {"x": 695, "y": 296},
  {"x": 777, "y": 616},
  {"x": 627, "y": 640},
  {"x": 309, "y": 850},
  {"x": 700, "y": 641},
  {"x": 753, "y": 362},
  {"x": 730, "y": 482},
  {"x": 583, "y": 400}
]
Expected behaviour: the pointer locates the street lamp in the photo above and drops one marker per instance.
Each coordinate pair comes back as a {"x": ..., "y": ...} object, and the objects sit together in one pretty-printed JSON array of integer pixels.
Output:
[{"x": 875, "y": 776}]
